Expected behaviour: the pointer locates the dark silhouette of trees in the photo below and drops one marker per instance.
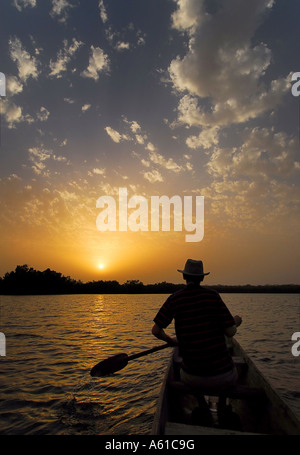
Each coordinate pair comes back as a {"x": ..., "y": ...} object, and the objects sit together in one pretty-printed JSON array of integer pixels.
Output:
[{"x": 24, "y": 280}]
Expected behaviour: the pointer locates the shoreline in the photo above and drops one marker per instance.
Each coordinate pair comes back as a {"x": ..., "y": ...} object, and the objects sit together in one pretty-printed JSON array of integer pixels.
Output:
[
  {"x": 28, "y": 281},
  {"x": 220, "y": 289}
]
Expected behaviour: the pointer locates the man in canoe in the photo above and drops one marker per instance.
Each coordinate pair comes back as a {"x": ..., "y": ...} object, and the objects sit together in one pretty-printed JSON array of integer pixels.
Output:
[{"x": 201, "y": 321}]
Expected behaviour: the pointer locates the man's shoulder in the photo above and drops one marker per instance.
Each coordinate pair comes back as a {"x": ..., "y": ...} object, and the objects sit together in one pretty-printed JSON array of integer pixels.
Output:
[
  {"x": 195, "y": 290},
  {"x": 177, "y": 293},
  {"x": 209, "y": 290}
]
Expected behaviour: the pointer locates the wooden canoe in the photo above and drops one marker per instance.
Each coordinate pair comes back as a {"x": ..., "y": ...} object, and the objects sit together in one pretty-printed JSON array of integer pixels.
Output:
[{"x": 251, "y": 407}]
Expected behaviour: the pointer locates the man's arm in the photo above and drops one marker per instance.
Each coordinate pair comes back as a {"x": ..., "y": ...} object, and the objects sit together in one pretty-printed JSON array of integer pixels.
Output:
[
  {"x": 231, "y": 331},
  {"x": 159, "y": 333}
]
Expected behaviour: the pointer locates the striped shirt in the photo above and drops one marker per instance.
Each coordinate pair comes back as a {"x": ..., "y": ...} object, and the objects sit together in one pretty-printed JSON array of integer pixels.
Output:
[{"x": 200, "y": 317}]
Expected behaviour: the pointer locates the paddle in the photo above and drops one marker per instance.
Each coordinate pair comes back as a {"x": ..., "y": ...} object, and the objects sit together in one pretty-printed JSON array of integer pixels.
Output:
[{"x": 119, "y": 361}]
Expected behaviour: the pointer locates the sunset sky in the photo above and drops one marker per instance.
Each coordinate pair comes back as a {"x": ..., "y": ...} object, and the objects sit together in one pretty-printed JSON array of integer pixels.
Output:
[{"x": 162, "y": 97}]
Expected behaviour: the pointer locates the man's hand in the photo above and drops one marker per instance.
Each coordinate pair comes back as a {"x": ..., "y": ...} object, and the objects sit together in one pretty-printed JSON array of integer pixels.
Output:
[
  {"x": 237, "y": 320},
  {"x": 172, "y": 341},
  {"x": 159, "y": 333}
]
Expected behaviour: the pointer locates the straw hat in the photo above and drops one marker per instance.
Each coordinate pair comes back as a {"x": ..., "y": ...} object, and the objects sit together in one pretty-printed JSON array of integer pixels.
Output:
[{"x": 193, "y": 268}]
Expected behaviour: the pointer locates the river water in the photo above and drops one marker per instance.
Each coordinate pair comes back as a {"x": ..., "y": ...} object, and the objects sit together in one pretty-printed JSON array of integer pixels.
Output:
[{"x": 53, "y": 341}]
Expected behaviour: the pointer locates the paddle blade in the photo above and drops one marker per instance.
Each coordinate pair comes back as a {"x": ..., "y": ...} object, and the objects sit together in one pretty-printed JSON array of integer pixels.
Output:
[{"x": 110, "y": 365}]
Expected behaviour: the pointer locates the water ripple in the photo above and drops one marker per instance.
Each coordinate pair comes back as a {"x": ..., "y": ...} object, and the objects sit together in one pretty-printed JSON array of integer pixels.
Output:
[{"x": 52, "y": 342}]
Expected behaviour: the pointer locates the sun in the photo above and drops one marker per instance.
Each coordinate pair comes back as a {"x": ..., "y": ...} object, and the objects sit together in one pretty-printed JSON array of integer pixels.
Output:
[{"x": 101, "y": 266}]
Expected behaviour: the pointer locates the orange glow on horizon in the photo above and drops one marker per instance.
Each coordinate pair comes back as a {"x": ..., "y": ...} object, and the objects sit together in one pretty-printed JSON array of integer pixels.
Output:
[{"x": 83, "y": 253}]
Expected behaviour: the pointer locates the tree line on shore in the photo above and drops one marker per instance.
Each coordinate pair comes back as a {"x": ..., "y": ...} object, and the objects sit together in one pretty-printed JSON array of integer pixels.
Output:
[{"x": 28, "y": 281}]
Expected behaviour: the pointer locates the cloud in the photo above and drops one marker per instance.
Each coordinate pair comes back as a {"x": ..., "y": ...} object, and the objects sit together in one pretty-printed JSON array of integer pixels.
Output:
[
  {"x": 141, "y": 38},
  {"x": 153, "y": 176},
  {"x": 39, "y": 155},
  {"x": 34, "y": 206},
  {"x": 69, "y": 100},
  {"x": 254, "y": 181},
  {"x": 60, "y": 158},
  {"x": 99, "y": 171},
  {"x": 232, "y": 110},
  {"x": 128, "y": 38},
  {"x": 154, "y": 158},
  {"x": 103, "y": 13},
  {"x": 63, "y": 57},
  {"x": 60, "y": 9},
  {"x": 189, "y": 166},
  {"x": 206, "y": 139},
  {"x": 20, "y": 4},
  {"x": 140, "y": 139},
  {"x": 130, "y": 135},
  {"x": 13, "y": 86},
  {"x": 220, "y": 79},
  {"x": 134, "y": 126},
  {"x": 122, "y": 46},
  {"x": 245, "y": 205},
  {"x": 150, "y": 147},
  {"x": 145, "y": 162},
  {"x": 13, "y": 113},
  {"x": 27, "y": 65},
  {"x": 43, "y": 115},
  {"x": 263, "y": 152},
  {"x": 98, "y": 63},
  {"x": 168, "y": 164},
  {"x": 86, "y": 107},
  {"x": 188, "y": 14},
  {"x": 113, "y": 134}
]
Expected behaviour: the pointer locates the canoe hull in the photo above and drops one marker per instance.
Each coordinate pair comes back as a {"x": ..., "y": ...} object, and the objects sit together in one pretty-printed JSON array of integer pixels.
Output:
[{"x": 255, "y": 407}]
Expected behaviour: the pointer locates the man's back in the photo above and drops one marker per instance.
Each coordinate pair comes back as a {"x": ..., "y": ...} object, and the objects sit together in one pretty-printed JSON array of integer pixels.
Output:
[{"x": 200, "y": 320}]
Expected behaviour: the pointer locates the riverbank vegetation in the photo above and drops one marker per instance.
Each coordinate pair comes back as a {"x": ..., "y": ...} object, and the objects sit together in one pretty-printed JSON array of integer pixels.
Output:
[{"x": 25, "y": 280}]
